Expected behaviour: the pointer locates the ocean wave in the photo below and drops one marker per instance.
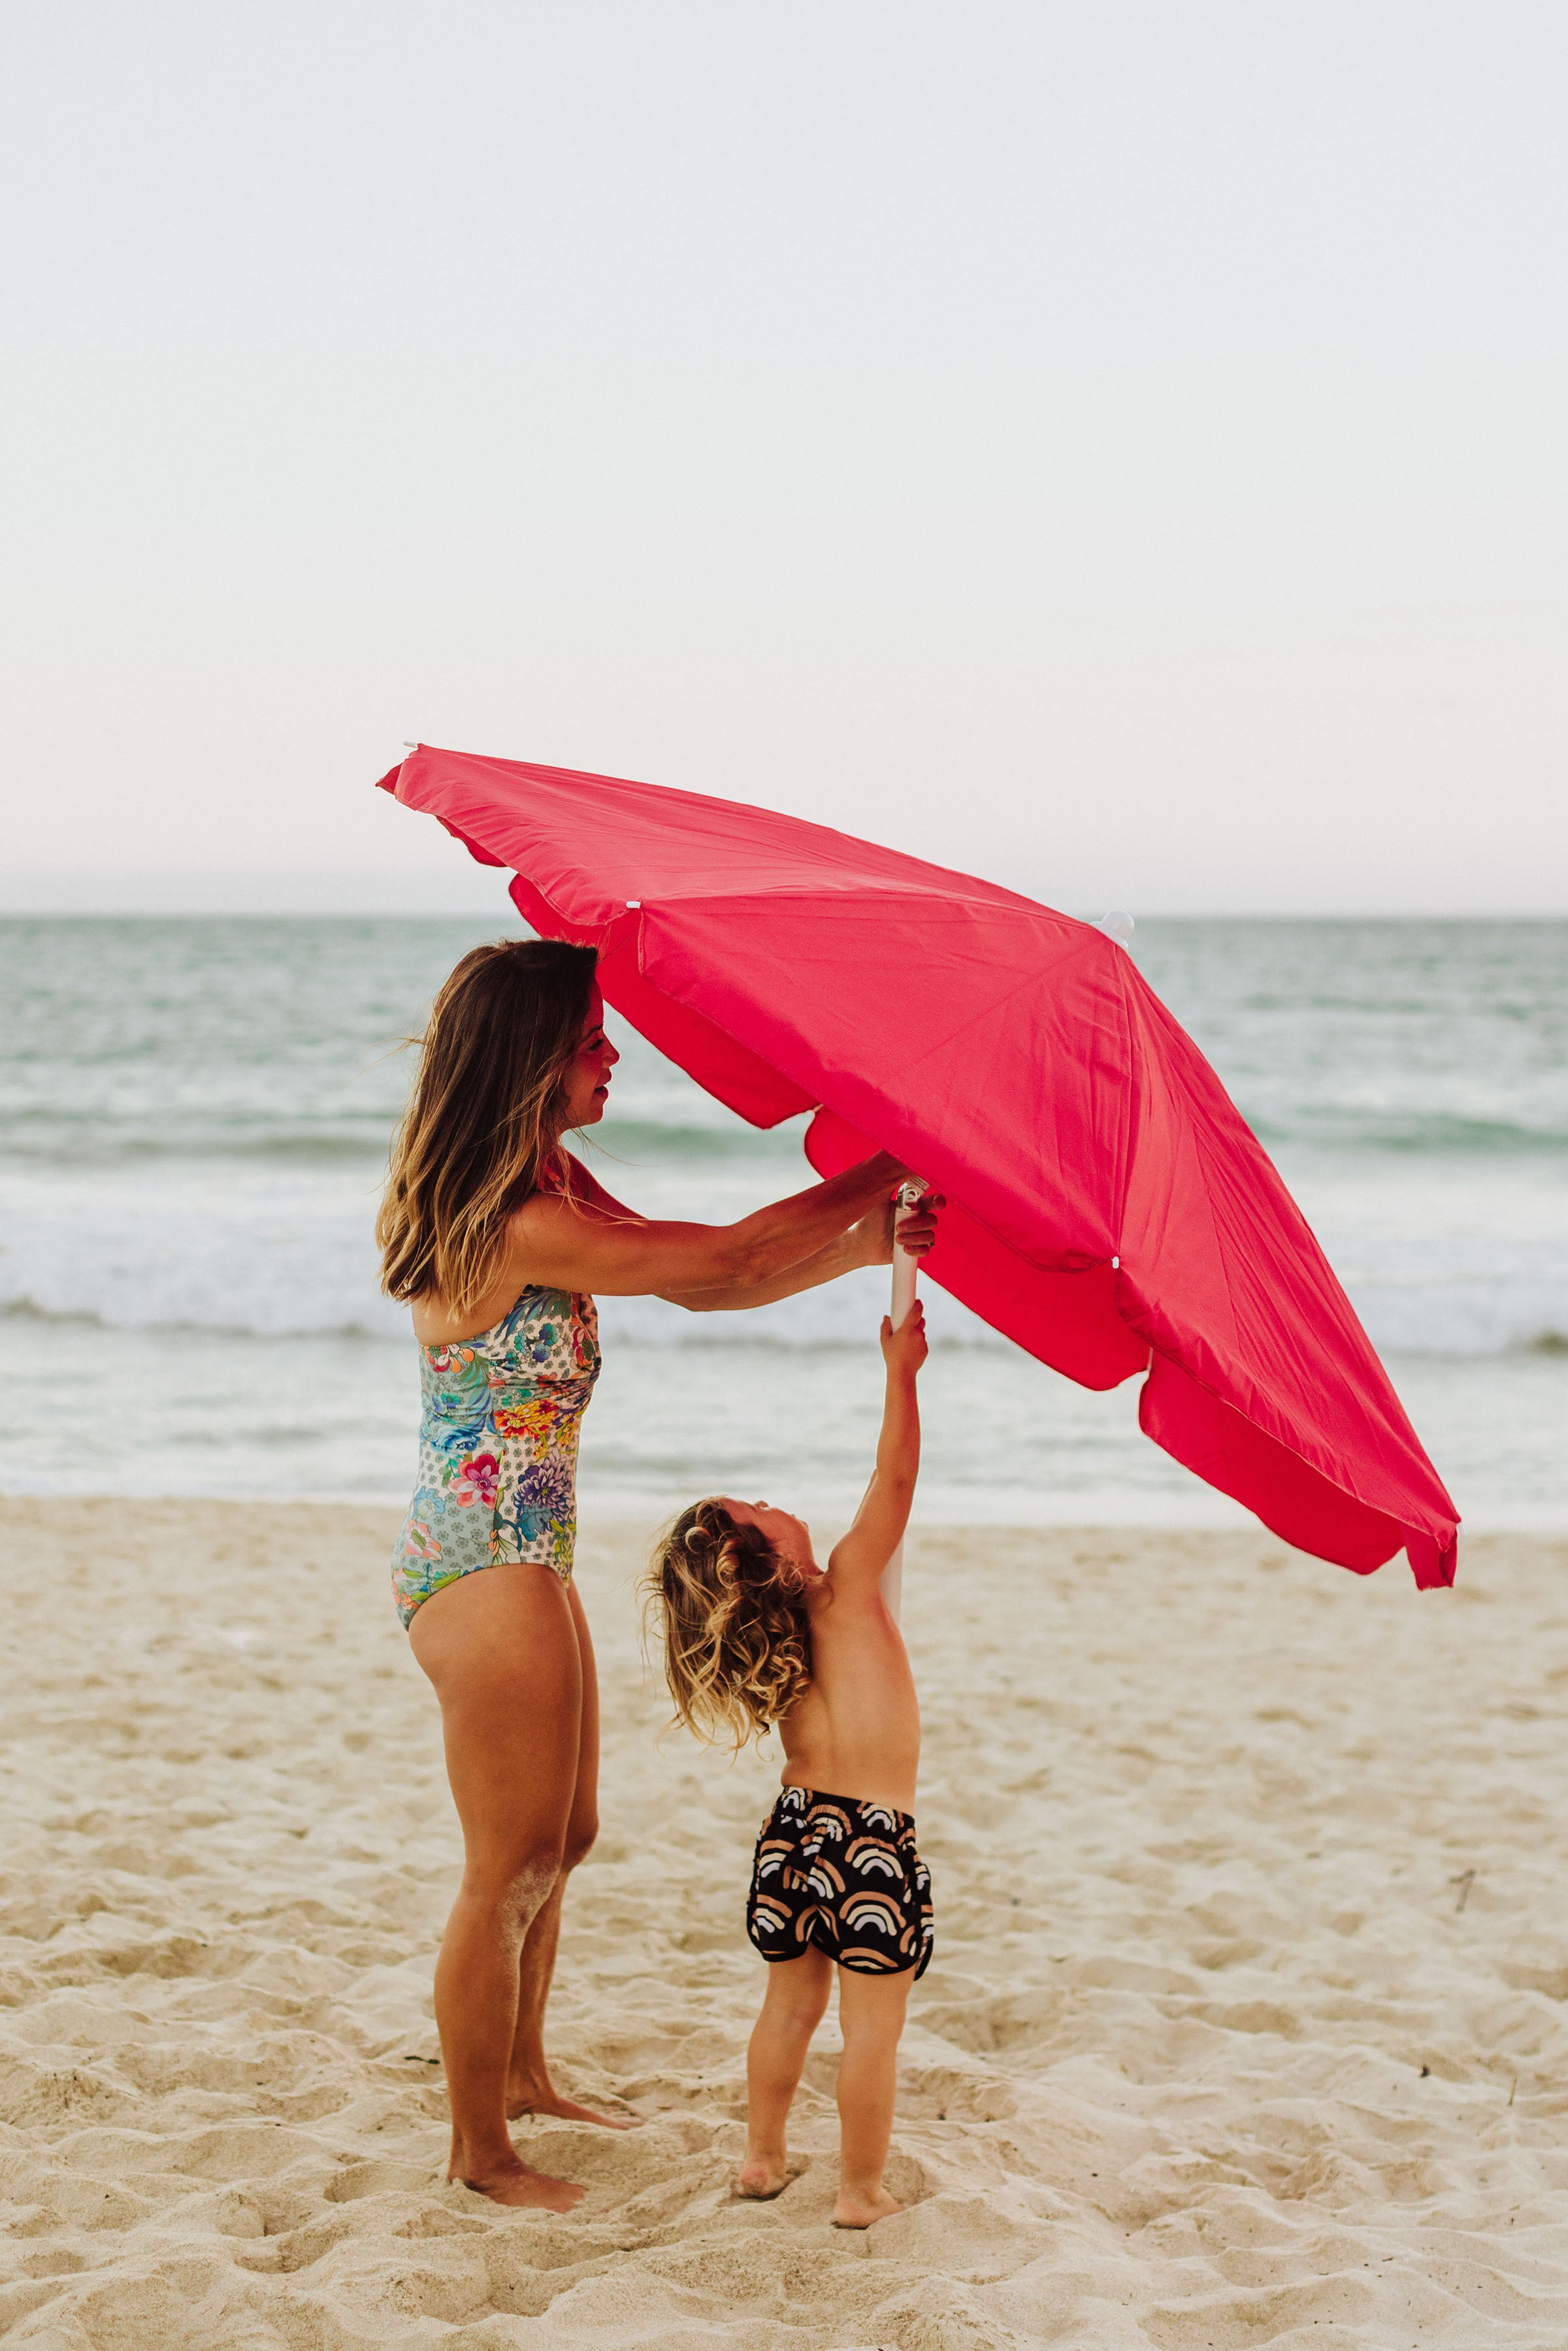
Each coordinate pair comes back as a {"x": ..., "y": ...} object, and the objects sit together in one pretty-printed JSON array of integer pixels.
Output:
[
  {"x": 320, "y": 1283},
  {"x": 102, "y": 1143},
  {"x": 626, "y": 1140},
  {"x": 1441, "y": 1134},
  {"x": 106, "y": 1134},
  {"x": 1443, "y": 1255},
  {"x": 623, "y": 1147},
  {"x": 24, "y": 1309}
]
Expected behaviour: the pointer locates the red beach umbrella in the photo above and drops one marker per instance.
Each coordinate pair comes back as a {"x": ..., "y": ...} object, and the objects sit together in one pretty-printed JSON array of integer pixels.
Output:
[{"x": 1108, "y": 1208}]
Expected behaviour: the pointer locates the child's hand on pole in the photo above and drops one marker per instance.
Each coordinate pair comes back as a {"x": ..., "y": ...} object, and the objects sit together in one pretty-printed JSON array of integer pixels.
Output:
[{"x": 904, "y": 1350}]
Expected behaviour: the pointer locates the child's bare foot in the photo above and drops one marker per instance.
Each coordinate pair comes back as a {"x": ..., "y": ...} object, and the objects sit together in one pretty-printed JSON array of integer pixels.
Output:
[
  {"x": 515, "y": 2183},
  {"x": 857, "y": 2208},
  {"x": 533, "y": 2100},
  {"x": 762, "y": 2176}
]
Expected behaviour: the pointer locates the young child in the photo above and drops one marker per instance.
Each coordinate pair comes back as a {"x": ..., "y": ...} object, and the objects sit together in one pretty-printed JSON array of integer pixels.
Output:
[{"x": 756, "y": 1633}]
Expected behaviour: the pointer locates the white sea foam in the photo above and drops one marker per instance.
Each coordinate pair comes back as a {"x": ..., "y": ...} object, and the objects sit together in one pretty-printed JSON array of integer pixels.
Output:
[{"x": 291, "y": 1255}]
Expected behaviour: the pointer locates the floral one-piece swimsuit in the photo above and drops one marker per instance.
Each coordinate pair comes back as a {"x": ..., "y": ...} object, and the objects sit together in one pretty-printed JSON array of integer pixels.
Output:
[{"x": 497, "y": 1446}]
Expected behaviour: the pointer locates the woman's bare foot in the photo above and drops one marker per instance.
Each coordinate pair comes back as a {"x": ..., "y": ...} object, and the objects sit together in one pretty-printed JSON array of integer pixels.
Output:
[
  {"x": 856, "y": 2209},
  {"x": 516, "y": 2183},
  {"x": 532, "y": 2098},
  {"x": 763, "y": 2176}
]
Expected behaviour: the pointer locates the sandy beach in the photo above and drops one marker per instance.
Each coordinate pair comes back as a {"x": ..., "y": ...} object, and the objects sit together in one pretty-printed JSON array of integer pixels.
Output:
[{"x": 1245, "y": 2026}]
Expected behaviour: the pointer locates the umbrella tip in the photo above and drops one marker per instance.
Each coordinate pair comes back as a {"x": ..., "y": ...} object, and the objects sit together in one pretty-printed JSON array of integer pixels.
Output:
[{"x": 1117, "y": 924}]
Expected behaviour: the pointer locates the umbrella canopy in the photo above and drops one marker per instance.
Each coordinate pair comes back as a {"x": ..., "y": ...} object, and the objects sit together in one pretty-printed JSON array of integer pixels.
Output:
[{"x": 1108, "y": 1206}]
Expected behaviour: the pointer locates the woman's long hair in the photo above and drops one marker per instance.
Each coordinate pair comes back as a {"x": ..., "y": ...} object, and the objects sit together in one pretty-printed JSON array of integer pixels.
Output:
[
  {"x": 486, "y": 1116},
  {"x": 737, "y": 1639}
]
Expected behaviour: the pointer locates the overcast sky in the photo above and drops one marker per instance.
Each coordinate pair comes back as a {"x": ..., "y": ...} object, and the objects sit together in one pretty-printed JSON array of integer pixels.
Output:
[{"x": 1119, "y": 448}]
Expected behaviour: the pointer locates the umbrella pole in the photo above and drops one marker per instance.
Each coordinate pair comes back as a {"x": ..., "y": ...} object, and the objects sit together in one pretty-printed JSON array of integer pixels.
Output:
[{"x": 904, "y": 1270}]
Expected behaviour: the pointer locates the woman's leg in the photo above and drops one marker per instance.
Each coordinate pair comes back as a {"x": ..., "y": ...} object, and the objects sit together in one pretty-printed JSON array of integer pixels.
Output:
[
  {"x": 871, "y": 2017},
  {"x": 501, "y": 1649},
  {"x": 529, "y": 2090},
  {"x": 792, "y": 2008}
]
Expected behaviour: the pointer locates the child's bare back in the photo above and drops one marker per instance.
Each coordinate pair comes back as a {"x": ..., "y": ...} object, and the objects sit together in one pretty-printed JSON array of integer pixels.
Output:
[{"x": 855, "y": 1727}]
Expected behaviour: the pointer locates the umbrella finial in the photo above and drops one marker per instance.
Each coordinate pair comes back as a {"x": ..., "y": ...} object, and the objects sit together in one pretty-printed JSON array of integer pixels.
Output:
[{"x": 1117, "y": 924}]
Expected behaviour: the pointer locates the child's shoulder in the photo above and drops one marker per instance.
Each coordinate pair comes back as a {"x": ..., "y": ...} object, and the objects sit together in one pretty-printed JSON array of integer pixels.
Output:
[
  {"x": 848, "y": 1589},
  {"x": 856, "y": 1564}
]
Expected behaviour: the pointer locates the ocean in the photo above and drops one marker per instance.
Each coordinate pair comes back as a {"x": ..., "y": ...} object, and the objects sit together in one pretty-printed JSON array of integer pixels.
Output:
[{"x": 195, "y": 1114}]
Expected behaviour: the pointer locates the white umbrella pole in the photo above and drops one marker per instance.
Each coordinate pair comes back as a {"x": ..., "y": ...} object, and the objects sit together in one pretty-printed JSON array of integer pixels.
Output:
[{"x": 904, "y": 1271}]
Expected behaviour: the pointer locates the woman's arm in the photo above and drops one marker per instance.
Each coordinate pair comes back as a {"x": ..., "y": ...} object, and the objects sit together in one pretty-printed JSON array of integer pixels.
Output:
[
  {"x": 857, "y": 1562},
  {"x": 868, "y": 1241},
  {"x": 567, "y": 1243},
  {"x": 840, "y": 1256}
]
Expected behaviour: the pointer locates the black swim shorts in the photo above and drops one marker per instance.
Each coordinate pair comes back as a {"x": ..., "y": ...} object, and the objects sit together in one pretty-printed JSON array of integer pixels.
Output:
[{"x": 844, "y": 1877}]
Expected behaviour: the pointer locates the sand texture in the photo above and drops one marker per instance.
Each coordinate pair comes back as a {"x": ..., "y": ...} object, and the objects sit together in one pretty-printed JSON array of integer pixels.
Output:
[{"x": 1246, "y": 2024}]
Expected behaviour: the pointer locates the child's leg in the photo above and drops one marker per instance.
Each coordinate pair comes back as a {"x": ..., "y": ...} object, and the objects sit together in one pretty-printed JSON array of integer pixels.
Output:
[
  {"x": 871, "y": 2016},
  {"x": 792, "y": 2009}
]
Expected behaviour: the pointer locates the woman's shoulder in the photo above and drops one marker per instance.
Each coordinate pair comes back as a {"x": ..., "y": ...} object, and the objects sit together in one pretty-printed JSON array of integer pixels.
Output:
[
  {"x": 559, "y": 1191},
  {"x": 570, "y": 1188}
]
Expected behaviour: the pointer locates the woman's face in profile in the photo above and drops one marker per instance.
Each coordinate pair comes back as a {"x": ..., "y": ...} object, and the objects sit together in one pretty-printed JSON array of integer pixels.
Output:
[{"x": 588, "y": 1079}]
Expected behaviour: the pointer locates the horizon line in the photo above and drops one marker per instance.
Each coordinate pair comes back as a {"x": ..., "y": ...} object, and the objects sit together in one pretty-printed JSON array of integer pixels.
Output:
[{"x": 55, "y": 894}]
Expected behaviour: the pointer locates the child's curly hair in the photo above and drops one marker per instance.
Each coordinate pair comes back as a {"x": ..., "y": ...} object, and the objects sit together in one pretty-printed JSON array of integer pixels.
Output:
[{"x": 738, "y": 1640}]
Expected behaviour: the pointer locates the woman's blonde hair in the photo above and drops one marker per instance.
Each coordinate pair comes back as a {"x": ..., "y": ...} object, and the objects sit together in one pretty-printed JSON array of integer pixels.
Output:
[
  {"x": 738, "y": 1640},
  {"x": 485, "y": 1119}
]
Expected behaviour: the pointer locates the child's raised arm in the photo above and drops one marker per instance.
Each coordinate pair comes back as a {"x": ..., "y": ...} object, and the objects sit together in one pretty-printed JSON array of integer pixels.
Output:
[{"x": 858, "y": 1561}]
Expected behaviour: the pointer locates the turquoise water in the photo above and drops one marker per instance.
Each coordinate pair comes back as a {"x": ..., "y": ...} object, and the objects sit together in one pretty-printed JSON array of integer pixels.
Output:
[{"x": 194, "y": 1120}]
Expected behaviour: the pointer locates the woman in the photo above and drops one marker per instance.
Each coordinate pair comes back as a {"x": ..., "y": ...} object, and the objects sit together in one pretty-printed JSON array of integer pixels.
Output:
[{"x": 496, "y": 1237}]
